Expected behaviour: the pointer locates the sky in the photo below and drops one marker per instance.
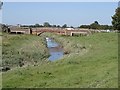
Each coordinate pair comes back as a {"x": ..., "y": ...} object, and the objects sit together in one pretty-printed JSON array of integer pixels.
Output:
[{"x": 59, "y": 13}]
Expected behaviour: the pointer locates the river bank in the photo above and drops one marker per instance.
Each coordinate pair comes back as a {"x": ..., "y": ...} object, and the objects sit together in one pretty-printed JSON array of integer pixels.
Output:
[
  {"x": 91, "y": 62},
  {"x": 69, "y": 44},
  {"x": 20, "y": 50}
]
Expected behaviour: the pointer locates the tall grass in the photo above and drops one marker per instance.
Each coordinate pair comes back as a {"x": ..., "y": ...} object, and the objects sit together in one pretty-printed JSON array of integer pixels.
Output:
[{"x": 26, "y": 49}]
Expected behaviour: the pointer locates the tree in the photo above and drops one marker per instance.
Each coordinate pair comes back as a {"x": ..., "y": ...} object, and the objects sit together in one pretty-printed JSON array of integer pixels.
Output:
[
  {"x": 116, "y": 19},
  {"x": 95, "y": 25},
  {"x": 71, "y": 27},
  {"x": 46, "y": 24},
  {"x": 111, "y": 27},
  {"x": 64, "y": 26},
  {"x": 1, "y": 4},
  {"x": 4, "y": 27},
  {"x": 54, "y": 26},
  {"x": 96, "y": 22},
  {"x": 85, "y": 26},
  {"x": 104, "y": 27},
  {"x": 37, "y": 25},
  {"x": 58, "y": 26}
]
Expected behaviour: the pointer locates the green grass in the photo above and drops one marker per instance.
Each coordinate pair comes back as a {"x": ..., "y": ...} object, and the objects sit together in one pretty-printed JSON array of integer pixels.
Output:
[
  {"x": 26, "y": 49},
  {"x": 91, "y": 63}
]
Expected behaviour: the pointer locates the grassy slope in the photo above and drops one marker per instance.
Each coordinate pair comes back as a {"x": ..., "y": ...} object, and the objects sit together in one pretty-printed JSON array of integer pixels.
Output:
[
  {"x": 23, "y": 48},
  {"x": 95, "y": 65}
]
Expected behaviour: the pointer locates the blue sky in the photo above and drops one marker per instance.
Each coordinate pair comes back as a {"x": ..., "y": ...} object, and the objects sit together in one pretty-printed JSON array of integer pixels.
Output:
[{"x": 72, "y": 14}]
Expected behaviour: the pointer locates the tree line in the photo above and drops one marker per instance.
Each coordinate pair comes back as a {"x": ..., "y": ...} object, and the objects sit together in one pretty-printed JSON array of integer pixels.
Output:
[
  {"x": 45, "y": 24},
  {"x": 96, "y": 25}
]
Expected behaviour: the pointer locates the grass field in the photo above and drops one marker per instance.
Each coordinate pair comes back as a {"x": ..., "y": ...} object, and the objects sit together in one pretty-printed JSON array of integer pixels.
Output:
[
  {"x": 89, "y": 62},
  {"x": 26, "y": 49}
]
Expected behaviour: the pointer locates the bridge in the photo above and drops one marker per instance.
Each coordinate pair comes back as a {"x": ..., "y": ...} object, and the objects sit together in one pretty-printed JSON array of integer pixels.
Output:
[
  {"x": 39, "y": 31},
  {"x": 17, "y": 30},
  {"x": 61, "y": 31}
]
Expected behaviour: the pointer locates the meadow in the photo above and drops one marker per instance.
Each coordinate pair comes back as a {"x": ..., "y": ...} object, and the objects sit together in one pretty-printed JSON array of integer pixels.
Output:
[{"x": 88, "y": 62}]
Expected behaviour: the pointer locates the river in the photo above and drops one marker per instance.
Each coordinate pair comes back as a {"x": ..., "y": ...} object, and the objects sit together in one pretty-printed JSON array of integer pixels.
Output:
[{"x": 55, "y": 49}]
